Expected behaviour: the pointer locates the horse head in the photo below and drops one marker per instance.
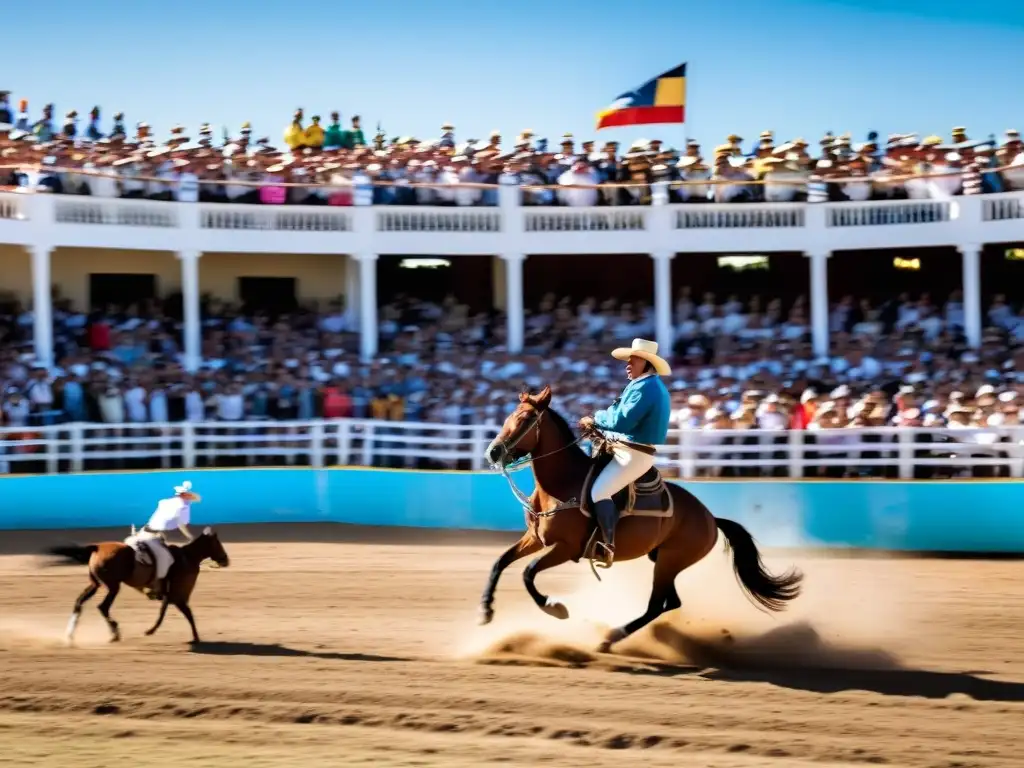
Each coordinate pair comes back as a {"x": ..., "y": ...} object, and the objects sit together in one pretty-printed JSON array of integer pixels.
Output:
[
  {"x": 521, "y": 431},
  {"x": 212, "y": 548}
]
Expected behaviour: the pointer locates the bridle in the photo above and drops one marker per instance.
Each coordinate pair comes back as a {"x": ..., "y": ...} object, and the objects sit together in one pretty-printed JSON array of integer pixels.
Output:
[{"x": 507, "y": 446}]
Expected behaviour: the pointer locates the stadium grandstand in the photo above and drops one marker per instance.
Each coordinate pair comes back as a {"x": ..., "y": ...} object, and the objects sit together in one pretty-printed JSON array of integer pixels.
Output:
[{"x": 214, "y": 291}]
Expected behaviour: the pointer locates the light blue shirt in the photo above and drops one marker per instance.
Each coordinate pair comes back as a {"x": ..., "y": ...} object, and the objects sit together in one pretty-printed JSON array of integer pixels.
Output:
[{"x": 641, "y": 414}]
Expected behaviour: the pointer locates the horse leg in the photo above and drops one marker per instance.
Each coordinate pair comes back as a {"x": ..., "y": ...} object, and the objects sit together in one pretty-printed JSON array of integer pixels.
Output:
[
  {"x": 160, "y": 618},
  {"x": 105, "y": 606},
  {"x": 76, "y": 614},
  {"x": 182, "y": 606},
  {"x": 527, "y": 545},
  {"x": 557, "y": 555},
  {"x": 664, "y": 598}
]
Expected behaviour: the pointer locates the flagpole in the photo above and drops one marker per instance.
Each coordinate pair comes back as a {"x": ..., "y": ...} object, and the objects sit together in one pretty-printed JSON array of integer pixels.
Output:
[{"x": 686, "y": 109}]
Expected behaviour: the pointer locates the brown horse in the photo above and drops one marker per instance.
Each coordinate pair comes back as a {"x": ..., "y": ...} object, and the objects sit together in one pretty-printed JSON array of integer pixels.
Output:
[
  {"x": 112, "y": 563},
  {"x": 683, "y": 534}
]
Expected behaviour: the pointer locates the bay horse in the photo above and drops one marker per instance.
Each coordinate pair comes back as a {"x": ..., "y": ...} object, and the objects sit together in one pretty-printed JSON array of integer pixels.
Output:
[
  {"x": 113, "y": 563},
  {"x": 678, "y": 532}
]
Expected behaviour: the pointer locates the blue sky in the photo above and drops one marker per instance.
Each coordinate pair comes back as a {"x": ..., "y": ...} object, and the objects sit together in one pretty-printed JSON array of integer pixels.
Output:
[{"x": 794, "y": 66}]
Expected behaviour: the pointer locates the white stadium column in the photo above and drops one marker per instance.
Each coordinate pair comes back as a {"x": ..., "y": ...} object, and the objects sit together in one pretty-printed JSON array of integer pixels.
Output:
[
  {"x": 42, "y": 304},
  {"x": 514, "y": 311},
  {"x": 971, "y": 255},
  {"x": 352, "y": 292},
  {"x": 367, "y": 305},
  {"x": 819, "y": 302},
  {"x": 193, "y": 329},
  {"x": 663, "y": 331}
]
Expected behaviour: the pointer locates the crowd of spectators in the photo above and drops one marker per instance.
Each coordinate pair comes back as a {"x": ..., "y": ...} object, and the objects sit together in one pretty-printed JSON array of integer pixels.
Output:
[
  {"x": 738, "y": 365},
  {"x": 334, "y": 163}
]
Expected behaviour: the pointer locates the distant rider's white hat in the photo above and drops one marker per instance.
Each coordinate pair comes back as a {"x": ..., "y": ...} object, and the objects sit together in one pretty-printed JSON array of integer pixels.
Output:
[
  {"x": 185, "y": 489},
  {"x": 645, "y": 350}
]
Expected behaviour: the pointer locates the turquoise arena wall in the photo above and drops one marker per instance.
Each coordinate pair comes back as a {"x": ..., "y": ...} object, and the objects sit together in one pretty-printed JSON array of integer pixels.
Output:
[{"x": 950, "y": 516}]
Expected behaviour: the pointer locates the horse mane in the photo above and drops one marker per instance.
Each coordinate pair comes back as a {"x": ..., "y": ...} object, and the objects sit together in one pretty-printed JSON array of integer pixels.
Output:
[
  {"x": 563, "y": 426},
  {"x": 559, "y": 421}
]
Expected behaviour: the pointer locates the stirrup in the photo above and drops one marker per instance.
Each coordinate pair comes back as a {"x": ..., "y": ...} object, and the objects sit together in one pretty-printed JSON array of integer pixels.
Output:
[{"x": 609, "y": 555}]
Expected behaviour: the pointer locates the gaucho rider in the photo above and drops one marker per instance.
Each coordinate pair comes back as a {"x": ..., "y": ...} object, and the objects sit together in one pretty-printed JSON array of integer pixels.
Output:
[
  {"x": 634, "y": 424},
  {"x": 173, "y": 513}
]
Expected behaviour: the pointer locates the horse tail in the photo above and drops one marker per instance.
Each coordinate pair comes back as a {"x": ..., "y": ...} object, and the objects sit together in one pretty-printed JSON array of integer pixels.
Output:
[
  {"x": 74, "y": 553},
  {"x": 771, "y": 592}
]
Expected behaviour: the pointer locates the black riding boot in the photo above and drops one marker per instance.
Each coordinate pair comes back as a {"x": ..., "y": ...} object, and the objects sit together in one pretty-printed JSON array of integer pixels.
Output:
[{"x": 607, "y": 515}]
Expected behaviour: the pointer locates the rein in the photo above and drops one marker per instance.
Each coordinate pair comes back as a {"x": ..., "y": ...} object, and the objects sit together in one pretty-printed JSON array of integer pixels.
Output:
[{"x": 518, "y": 464}]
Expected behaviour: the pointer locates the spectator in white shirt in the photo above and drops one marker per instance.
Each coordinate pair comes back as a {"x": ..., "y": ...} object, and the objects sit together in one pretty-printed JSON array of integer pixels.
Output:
[
  {"x": 135, "y": 402},
  {"x": 111, "y": 405},
  {"x": 187, "y": 190},
  {"x": 231, "y": 404},
  {"x": 581, "y": 183}
]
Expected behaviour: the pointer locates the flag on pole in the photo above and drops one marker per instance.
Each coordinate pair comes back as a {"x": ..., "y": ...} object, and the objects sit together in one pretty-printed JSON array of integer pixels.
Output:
[{"x": 661, "y": 100}]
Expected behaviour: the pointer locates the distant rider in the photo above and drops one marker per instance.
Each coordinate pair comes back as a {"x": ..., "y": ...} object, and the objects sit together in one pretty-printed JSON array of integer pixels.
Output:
[
  {"x": 635, "y": 423},
  {"x": 173, "y": 513}
]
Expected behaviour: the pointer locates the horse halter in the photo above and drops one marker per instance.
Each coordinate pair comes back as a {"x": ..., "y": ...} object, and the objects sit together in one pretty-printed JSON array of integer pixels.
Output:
[{"x": 533, "y": 422}]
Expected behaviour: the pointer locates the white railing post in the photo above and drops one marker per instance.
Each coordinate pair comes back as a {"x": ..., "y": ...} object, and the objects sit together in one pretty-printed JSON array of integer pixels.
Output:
[
  {"x": 796, "y": 453},
  {"x": 344, "y": 443},
  {"x": 479, "y": 447},
  {"x": 77, "y": 447},
  {"x": 687, "y": 458},
  {"x": 906, "y": 453},
  {"x": 188, "y": 445},
  {"x": 1016, "y": 452},
  {"x": 368, "y": 432},
  {"x": 316, "y": 452},
  {"x": 53, "y": 443}
]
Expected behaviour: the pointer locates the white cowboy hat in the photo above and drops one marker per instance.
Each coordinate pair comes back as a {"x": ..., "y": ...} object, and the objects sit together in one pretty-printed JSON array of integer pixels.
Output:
[
  {"x": 185, "y": 489},
  {"x": 645, "y": 350}
]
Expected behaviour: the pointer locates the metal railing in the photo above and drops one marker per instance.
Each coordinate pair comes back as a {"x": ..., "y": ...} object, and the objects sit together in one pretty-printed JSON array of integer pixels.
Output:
[{"x": 885, "y": 452}]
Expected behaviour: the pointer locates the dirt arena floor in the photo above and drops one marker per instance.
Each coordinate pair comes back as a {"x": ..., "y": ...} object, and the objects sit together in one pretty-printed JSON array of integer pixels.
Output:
[{"x": 337, "y": 646}]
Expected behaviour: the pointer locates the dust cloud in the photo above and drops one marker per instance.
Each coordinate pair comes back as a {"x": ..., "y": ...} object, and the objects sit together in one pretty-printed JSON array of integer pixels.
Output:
[{"x": 844, "y": 619}]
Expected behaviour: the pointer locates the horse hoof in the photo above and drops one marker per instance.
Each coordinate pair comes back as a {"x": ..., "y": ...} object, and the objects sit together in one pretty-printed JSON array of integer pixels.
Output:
[
  {"x": 485, "y": 617},
  {"x": 556, "y": 609},
  {"x": 613, "y": 637},
  {"x": 115, "y": 638}
]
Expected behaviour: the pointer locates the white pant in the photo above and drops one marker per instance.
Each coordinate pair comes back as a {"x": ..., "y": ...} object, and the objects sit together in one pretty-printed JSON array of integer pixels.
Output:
[
  {"x": 164, "y": 558},
  {"x": 627, "y": 465}
]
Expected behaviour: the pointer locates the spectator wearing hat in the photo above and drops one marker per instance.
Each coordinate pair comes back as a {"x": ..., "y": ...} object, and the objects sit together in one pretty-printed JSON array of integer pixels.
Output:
[
  {"x": 294, "y": 133},
  {"x": 118, "y": 132},
  {"x": 784, "y": 180},
  {"x": 22, "y": 123},
  {"x": 691, "y": 169},
  {"x": 314, "y": 134},
  {"x": 580, "y": 184},
  {"x": 43, "y": 128},
  {"x": 729, "y": 167},
  {"x": 447, "y": 140},
  {"x": 70, "y": 130},
  {"x": 355, "y": 135},
  {"x": 93, "y": 132},
  {"x": 334, "y": 135}
]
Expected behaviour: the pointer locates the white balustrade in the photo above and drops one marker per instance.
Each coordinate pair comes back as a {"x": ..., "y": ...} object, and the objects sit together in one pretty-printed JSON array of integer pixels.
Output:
[
  {"x": 509, "y": 227},
  {"x": 884, "y": 451}
]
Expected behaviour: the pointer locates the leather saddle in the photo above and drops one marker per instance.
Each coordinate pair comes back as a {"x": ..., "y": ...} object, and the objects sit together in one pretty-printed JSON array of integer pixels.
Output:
[
  {"x": 647, "y": 496},
  {"x": 143, "y": 554}
]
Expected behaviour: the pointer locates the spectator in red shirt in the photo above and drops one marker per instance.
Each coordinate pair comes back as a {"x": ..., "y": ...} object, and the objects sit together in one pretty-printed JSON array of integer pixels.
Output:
[{"x": 337, "y": 404}]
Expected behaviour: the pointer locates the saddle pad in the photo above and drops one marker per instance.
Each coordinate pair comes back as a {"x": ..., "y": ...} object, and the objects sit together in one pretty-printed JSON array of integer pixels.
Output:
[
  {"x": 643, "y": 512},
  {"x": 142, "y": 553}
]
